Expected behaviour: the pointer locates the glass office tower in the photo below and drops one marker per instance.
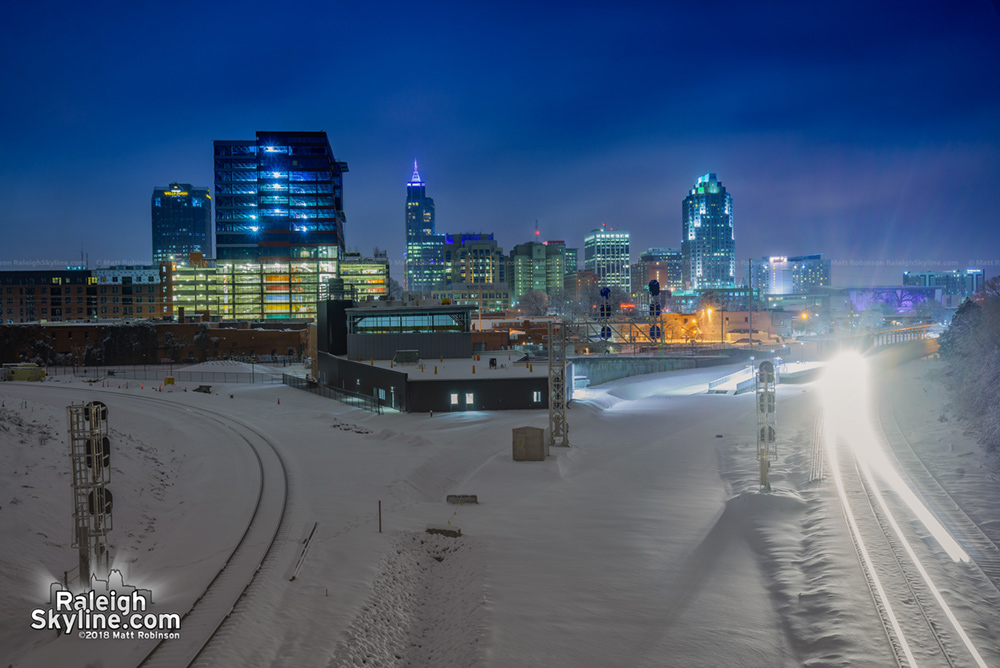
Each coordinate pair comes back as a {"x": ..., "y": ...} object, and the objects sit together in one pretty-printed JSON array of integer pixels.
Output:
[
  {"x": 607, "y": 254},
  {"x": 182, "y": 221},
  {"x": 279, "y": 196},
  {"x": 708, "y": 247}
]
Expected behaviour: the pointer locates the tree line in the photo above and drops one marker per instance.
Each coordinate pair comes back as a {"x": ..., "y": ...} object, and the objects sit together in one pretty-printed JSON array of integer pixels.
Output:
[{"x": 971, "y": 346}]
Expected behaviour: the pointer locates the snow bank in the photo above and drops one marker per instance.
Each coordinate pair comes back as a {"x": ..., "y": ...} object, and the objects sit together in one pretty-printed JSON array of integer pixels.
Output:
[{"x": 427, "y": 607}]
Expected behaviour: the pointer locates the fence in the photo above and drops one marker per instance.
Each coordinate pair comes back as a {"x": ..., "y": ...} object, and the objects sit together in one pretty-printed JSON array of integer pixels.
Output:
[
  {"x": 362, "y": 401},
  {"x": 736, "y": 376},
  {"x": 158, "y": 373}
]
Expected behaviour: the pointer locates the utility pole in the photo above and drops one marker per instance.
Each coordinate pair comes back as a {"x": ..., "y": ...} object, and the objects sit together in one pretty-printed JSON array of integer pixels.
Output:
[
  {"x": 722, "y": 326},
  {"x": 750, "y": 299}
]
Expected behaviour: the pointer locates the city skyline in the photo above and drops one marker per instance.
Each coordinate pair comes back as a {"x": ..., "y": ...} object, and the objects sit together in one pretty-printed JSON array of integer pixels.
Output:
[{"x": 873, "y": 142}]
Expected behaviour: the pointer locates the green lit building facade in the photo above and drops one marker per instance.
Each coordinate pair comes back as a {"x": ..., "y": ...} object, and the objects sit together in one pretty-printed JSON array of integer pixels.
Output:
[{"x": 536, "y": 266}]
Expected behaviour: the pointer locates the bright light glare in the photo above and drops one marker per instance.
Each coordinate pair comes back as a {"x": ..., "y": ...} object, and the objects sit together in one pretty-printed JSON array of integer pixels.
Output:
[
  {"x": 844, "y": 387},
  {"x": 845, "y": 393},
  {"x": 845, "y": 503}
]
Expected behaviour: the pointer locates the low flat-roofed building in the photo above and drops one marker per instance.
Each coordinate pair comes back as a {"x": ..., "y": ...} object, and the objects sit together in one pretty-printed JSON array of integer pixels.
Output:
[{"x": 420, "y": 358}]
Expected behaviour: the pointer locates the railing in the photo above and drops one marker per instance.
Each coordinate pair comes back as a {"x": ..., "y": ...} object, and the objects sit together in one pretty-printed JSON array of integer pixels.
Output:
[
  {"x": 362, "y": 401},
  {"x": 736, "y": 376}
]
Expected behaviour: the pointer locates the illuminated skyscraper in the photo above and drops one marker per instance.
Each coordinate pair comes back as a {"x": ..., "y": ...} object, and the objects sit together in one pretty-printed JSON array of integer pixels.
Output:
[
  {"x": 182, "y": 221},
  {"x": 280, "y": 195},
  {"x": 537, "y": 267},
  {"x": 607, "y": 254},
  {"x": 708, "y": 247},
  {"x": 425, "y": 265},
  {"x": 473, "y": 257}
]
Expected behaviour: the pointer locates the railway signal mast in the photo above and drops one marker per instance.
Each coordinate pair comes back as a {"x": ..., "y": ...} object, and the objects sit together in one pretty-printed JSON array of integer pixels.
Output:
[
  {"x": 90, "y": 460},
  {"x": 767, "y": 448}
]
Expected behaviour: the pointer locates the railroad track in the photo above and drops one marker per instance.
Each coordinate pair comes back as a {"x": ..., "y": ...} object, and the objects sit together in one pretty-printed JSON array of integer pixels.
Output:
[
  {"x": 209, "y": 612},
  {"x": 982, "y": 549},
  {"x": 903, "y": 585},
  {"x": 212, "y": 608},
  {"x": 920, "y": 626}
]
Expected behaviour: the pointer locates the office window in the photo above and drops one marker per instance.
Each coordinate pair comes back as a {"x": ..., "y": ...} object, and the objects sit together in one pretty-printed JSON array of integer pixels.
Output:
[{"x": 468, "y": 398}]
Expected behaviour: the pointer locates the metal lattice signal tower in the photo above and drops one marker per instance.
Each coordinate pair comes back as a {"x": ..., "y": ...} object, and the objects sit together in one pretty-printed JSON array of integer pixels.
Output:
[
  {"x": 558, "y": 427},
  {"x": 767, "y": 448},
  {"x": 90, "y": 460}
]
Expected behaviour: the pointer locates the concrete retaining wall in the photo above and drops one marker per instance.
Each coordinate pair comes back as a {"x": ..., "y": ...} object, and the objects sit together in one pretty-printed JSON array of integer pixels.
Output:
[{"x": 602, "y": 369}]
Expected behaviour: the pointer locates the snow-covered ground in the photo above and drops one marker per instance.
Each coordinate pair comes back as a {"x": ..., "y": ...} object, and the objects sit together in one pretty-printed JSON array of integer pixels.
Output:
[{"x": 646, "y": 543}]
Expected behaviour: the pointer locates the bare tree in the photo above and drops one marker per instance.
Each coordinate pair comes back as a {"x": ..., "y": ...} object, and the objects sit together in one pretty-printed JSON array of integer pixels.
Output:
[
  {"x": 969, "y": 346},
  {"x": 395, "y": 289},
  {"x": 533, "y": 303},
  {"x": 711, "y": 299},
  {"x": 990, "y": 290},
  {"x": 205, "y": 342}
]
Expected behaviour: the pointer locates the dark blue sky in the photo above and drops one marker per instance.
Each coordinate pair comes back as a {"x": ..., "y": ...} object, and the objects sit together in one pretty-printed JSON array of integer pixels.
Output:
[{"x": 866, "y": 131}]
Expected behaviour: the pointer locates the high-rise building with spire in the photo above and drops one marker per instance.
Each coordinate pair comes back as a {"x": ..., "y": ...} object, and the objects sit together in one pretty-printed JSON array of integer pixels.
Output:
[
  {"x": 708, "y": 247},
  {"x": 425, "y": 265}
]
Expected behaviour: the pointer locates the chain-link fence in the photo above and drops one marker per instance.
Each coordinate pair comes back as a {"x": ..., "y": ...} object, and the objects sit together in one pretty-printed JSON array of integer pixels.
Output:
[{"x": 158, "y": 373}]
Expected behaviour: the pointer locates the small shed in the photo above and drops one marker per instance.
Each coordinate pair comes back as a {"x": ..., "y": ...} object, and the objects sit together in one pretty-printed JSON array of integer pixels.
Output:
[{"x": 529, "y": 444}]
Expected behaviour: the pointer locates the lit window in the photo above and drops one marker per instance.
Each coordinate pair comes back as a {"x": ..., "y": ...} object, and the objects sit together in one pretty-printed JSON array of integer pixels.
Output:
[
  {"x": 468, "y": 398},
  {"x": 454, "y": 399}
]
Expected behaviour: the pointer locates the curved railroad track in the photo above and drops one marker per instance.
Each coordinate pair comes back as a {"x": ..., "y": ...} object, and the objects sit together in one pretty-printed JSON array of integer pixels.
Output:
[
  {"x": 208, "y": 613},
  {"x": 210, "y": 610}
]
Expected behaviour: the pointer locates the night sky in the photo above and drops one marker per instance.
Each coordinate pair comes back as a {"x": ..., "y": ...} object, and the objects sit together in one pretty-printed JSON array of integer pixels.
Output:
[{"x": 866, "y": 131}]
